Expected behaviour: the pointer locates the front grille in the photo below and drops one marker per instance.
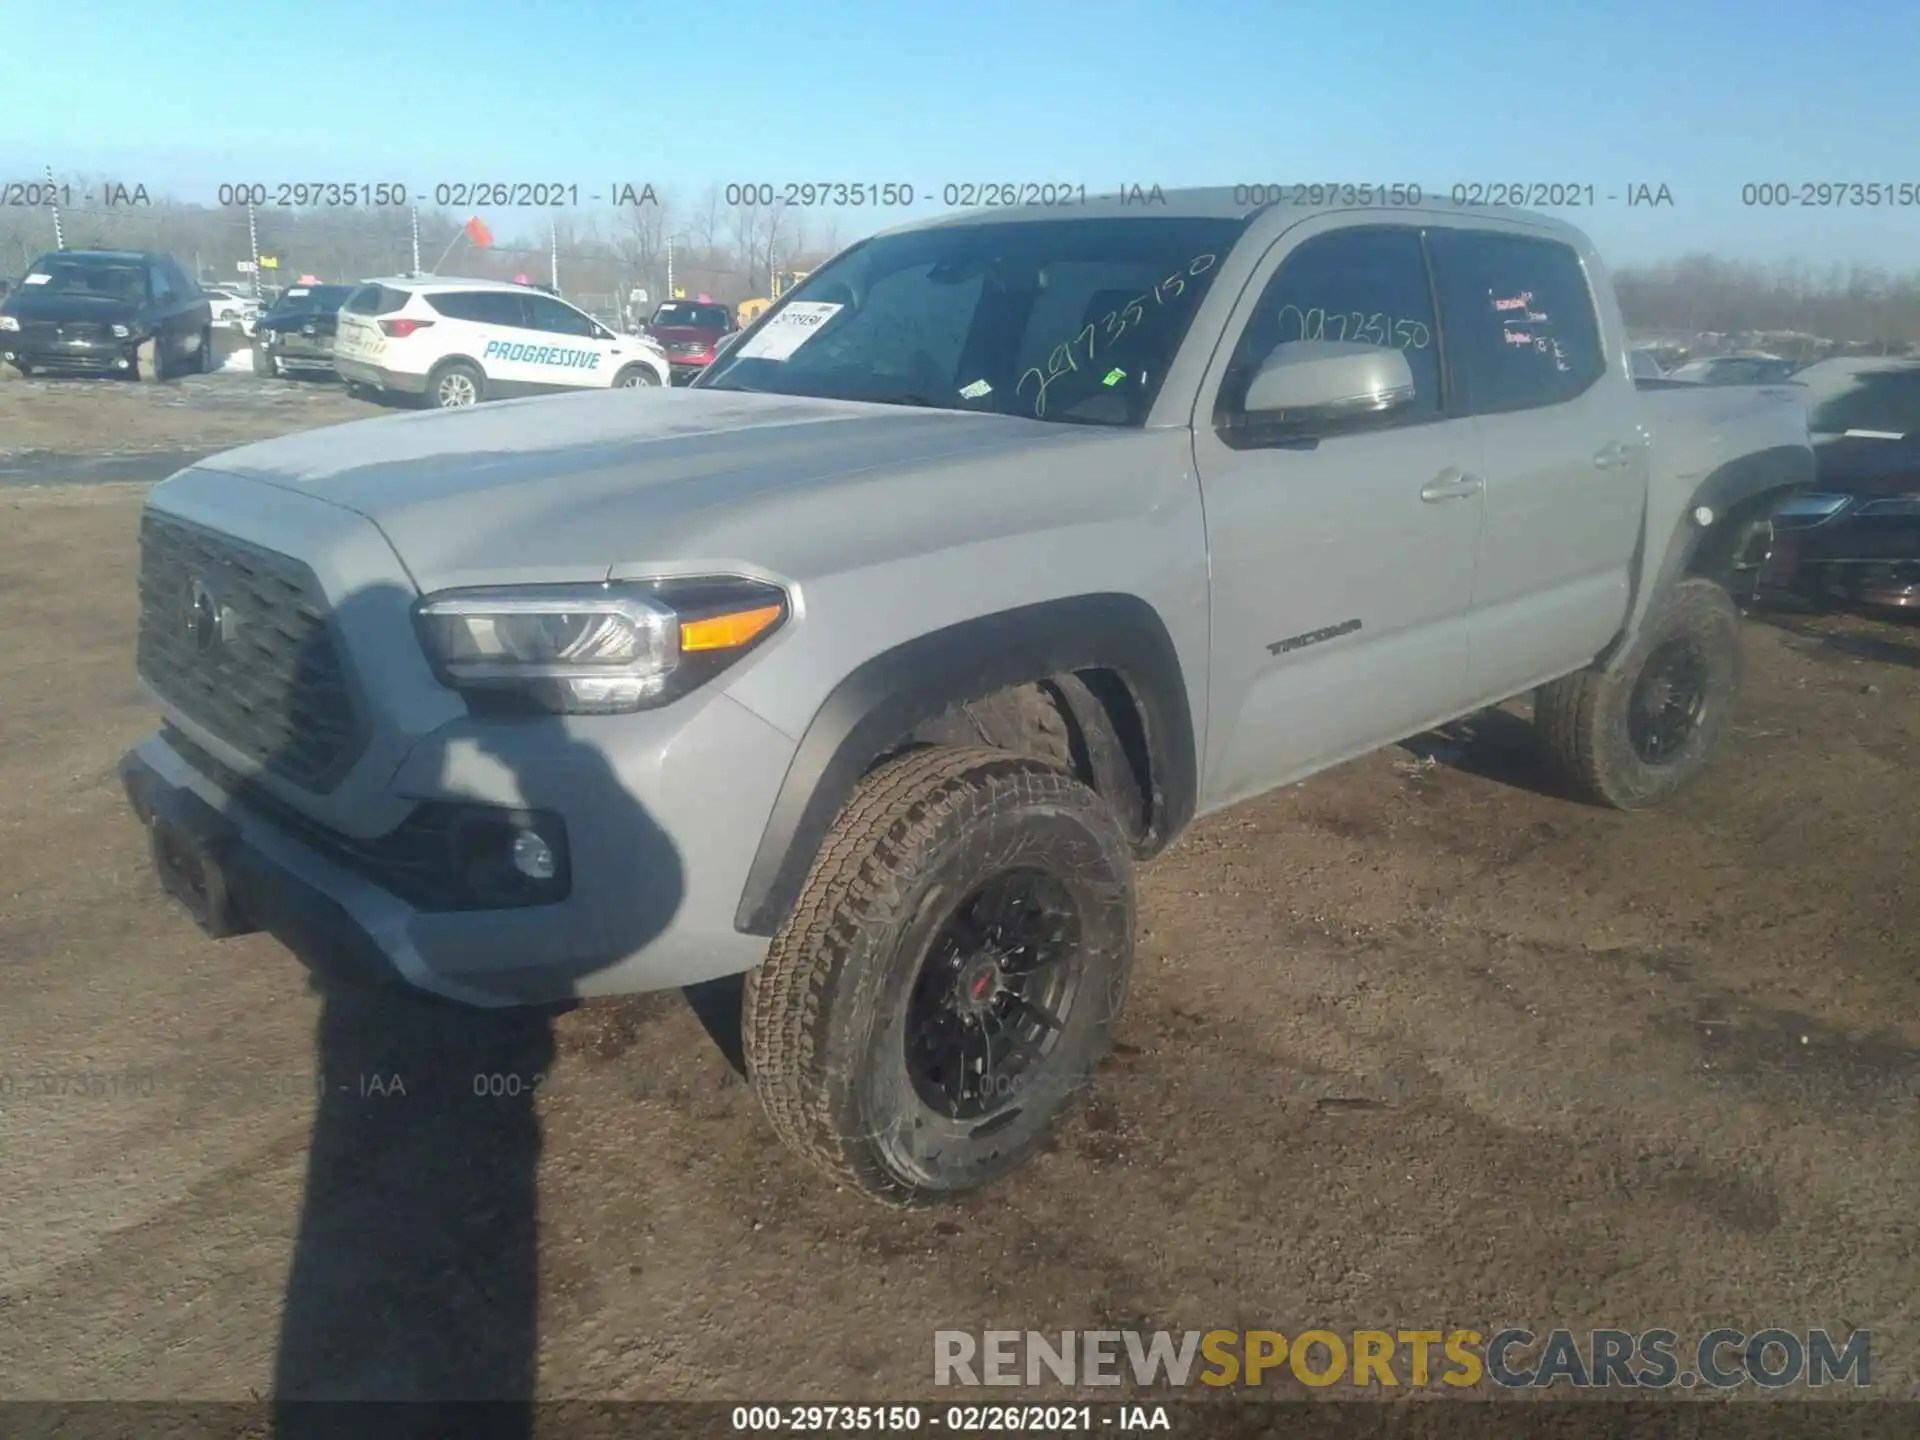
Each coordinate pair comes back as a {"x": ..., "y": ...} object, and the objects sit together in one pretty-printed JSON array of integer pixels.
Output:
[
  {"x": 255, "y": 661},
  {"x": 47, "y": 332}
]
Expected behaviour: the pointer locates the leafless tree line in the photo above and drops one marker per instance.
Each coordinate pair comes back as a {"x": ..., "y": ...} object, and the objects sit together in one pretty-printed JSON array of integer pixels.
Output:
[
  {"x": 726, "y": 251},
  {"x": 1856, "y": 304}
]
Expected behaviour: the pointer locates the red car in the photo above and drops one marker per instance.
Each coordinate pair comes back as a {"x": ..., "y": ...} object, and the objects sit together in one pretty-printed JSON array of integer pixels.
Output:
[{"x": 689, "y": 330}]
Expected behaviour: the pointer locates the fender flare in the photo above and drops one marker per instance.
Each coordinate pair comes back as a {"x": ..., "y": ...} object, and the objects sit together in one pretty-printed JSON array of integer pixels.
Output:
[
  {"x": 879, "y": 703},
  {"x": 1725, "y": 491}
]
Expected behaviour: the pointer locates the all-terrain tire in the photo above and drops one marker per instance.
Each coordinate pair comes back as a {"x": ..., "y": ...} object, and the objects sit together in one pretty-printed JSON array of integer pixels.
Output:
[
  {"x": 1595, "y": 723},
  {"x": 825, "y": 1021}
]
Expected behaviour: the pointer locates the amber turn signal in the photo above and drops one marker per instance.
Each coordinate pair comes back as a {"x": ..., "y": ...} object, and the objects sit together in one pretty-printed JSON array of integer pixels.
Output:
[{"x": 728, "y": 632}]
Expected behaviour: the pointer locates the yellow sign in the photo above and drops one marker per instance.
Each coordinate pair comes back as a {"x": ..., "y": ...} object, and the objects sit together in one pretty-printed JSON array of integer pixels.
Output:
[
  {"x": 679, "y": 292},
  {"x": 269, "y": 262}
]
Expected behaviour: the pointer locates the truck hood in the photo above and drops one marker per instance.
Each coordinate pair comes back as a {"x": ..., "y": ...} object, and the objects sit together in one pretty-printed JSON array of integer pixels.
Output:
[{"x": 582, "y": 486}]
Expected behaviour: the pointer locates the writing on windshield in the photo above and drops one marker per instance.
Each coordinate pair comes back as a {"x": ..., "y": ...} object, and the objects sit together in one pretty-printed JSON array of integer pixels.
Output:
[{"x": 1098, "y": 337}]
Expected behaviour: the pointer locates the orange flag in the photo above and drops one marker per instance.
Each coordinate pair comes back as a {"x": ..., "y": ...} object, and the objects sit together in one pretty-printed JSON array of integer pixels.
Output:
[{"x": 478, "y": 233}]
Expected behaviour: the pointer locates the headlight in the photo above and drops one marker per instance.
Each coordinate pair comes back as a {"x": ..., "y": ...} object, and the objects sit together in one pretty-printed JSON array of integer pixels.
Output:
[
  {"x": 9, "y": 322},
  {"x": 595, "y": 649},
  {"x": 121, "y": 332}
]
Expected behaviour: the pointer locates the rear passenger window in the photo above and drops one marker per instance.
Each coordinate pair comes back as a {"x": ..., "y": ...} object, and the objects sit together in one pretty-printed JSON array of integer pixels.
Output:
[
  {"x": 1364, "y": 286},
  {"x": 1519, "y": 319},
  {"x": 482, "y": 307},
  {"x": 376, "y": 300}
]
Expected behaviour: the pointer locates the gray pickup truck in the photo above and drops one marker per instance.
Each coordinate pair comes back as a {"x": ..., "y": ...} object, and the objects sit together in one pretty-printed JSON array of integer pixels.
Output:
[{"x": 869, "y": 666}]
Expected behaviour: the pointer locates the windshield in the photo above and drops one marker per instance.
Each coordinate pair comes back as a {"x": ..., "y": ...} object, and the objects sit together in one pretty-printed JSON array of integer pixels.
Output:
[
  {"x": 1074, "y": 321},
  {"x": 312, "y": 297},
  {"x": 706, "y": 317},
  {"x": 106, "y": 279}
]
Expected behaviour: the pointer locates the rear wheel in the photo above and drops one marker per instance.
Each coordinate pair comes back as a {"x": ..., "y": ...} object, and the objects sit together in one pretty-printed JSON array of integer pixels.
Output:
[
  {"x": 950, "y": 977},
  {"x": 209, "y": 362},
  {"x": 1638, "y": 731},
  {"x": 455, "y": 385}
]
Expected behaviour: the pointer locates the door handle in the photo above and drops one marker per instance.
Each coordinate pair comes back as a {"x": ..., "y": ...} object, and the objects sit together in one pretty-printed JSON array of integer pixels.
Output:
[
  {"x": 1608, "y": 456},
  {"x": 1452, "y": 484}
]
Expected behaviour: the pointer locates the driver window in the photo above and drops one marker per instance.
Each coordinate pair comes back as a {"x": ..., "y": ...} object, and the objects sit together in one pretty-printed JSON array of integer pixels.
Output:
[
  {"x": 162, "y": 289},
  {"x": 556, "y": 318},
  {"x": 1365, "y": 285}
]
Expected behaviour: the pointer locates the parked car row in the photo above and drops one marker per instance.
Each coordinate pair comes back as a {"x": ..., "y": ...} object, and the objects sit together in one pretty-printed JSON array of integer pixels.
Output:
[{"x": 448, "y": 342}]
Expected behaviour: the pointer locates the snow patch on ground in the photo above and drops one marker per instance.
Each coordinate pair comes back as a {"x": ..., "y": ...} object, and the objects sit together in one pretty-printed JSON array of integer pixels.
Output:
[{"x": 239, "y": 360}]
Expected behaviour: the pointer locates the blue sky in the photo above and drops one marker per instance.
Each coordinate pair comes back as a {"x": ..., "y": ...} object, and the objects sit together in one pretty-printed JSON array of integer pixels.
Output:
[{"x": 1699, "y": 95}]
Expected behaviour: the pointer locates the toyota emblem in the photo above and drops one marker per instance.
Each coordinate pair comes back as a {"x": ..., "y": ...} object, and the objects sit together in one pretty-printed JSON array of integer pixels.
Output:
[{"x": 202, "y": 616}]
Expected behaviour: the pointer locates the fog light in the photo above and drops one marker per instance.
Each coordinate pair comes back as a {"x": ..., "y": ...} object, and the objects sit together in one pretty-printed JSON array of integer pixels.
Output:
[{"x": 532, "y": 856}]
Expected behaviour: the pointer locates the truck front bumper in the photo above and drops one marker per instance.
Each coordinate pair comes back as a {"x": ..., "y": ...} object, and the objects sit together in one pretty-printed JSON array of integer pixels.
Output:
[{"x": 654, "y": 855}]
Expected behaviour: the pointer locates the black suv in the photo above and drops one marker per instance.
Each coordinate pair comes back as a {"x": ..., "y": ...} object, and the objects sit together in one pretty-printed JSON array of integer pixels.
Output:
[
  {"x": 295, "y": 337},
  {"x": 116, "y": 312}
]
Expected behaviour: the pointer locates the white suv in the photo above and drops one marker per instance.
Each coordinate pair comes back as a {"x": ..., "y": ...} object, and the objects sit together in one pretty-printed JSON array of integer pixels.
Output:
[{"x": 458, "y": 342}]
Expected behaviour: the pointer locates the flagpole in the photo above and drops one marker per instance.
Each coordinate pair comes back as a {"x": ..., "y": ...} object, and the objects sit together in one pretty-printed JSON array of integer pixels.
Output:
[{"x": 444, "y": 253}]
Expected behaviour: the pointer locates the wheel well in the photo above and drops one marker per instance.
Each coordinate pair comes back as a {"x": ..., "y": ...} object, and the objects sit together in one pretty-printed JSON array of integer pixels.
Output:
[
  {"x": 1719, "y": 552},
  {"x": 1088, "y": 721},
  {"x": 447, "y": 362}
]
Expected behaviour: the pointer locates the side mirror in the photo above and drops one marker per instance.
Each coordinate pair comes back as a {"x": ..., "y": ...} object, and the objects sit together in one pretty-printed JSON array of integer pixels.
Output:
[
  {"x": 1310, "y": 385},
  {"x": 724, "y": 341}
]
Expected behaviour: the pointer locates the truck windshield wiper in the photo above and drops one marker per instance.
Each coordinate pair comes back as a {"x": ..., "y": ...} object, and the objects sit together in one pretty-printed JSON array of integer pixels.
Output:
[{"x": 920, "y": 401}]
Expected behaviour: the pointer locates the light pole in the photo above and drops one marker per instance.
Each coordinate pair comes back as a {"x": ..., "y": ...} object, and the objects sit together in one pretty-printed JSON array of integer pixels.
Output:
[{"x": 59, "y": 239}]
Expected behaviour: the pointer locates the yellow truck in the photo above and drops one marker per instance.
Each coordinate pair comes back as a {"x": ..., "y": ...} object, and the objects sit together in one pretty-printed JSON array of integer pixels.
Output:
[{"x": 750, "y": 310}]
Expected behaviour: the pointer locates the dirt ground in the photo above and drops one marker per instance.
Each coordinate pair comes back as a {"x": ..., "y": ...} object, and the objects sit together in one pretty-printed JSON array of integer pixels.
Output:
[{"x": 1417, "y": 1044}]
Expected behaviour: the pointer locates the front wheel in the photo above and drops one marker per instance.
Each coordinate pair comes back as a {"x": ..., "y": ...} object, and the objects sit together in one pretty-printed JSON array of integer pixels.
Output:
[
  {"x": 950, "y": 976},
  {"x": 1634, "y": 733},
  {"x": 455, "y": 386},
  {"x": 264, "y": 365},
  {"x": 150, "y": 359},
  {"x": 636, "y": 377}
]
